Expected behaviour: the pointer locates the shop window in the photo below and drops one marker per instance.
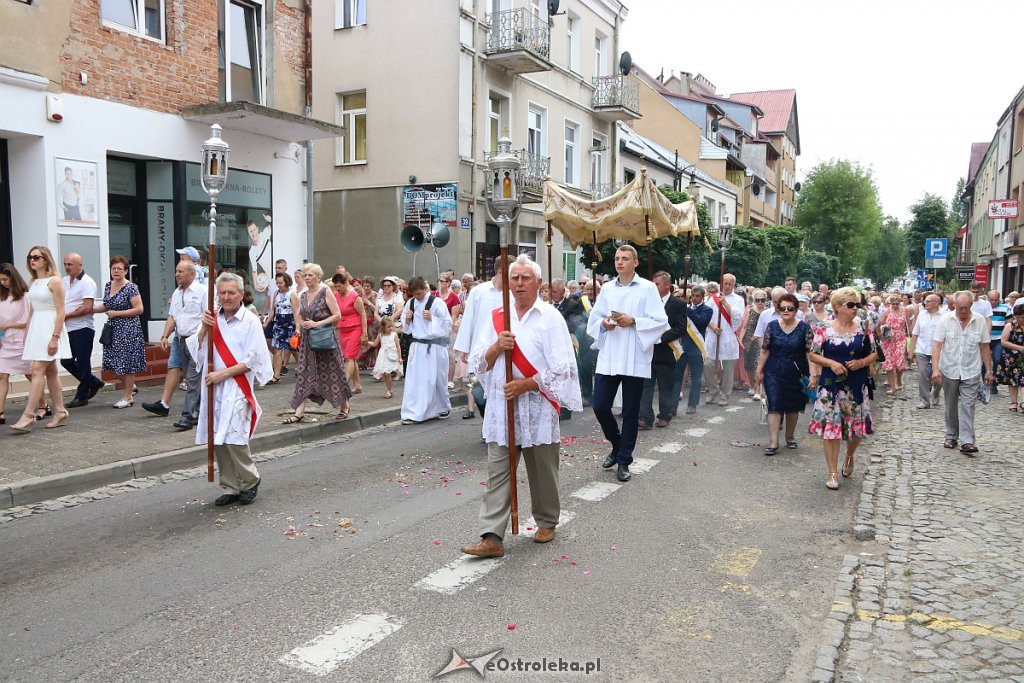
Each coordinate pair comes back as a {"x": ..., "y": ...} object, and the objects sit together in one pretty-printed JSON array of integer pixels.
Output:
[
  {"x": 240, "y": 52},
  {"x": 351, "y": 145},
  {"x": 142, "y": 17},
  {"x": 349, "y": 13}
]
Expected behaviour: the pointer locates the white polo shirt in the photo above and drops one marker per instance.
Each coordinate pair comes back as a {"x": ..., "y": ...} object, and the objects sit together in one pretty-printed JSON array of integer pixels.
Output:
[
  {"x": 924, "y": 330},
  {"x": 961, "y": 354},
  {"x": 187, "y": 306},
  {"x": 75, "y": 294}
]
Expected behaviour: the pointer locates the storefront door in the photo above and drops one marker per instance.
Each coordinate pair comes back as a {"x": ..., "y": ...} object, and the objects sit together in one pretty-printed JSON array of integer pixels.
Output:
[
  {"x": 6, "y": 238},
  {"x": 126, "y": 230}
]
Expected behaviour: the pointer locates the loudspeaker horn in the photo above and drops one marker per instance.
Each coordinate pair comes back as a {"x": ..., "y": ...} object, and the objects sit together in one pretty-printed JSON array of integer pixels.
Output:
[
  {"x": 625, "y": 63},
  {"x": 412, "y": 238},
  {"x": 796, "y": 188},
  {"x": 440, "y": 235}
]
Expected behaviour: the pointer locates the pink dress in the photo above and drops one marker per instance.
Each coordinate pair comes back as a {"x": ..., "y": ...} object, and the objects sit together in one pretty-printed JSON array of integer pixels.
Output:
[
  {"x": 895, "y": 347},
  {"x": 12, "y": 344},
  {"x": 350, "y": 326}
]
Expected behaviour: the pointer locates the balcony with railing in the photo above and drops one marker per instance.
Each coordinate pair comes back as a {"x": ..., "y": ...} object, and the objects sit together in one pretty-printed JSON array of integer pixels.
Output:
[
  {"x": 602, "y": 190},
  {"x": 535, "y": 170},
  {"x": 519, "y": 41},
  {"x": 616, "y": 98}
]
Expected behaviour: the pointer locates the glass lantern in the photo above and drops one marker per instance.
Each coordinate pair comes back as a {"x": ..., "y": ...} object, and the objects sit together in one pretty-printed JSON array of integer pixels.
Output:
[{"x": 215, "y": 163}]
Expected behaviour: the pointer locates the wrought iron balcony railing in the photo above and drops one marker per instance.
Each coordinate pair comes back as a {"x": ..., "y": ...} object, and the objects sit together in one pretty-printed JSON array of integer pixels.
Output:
[
  {"x": 518, "y": 29},
  {"x": 616, "y": 91},
  {"x": 603, "y": 190},
  {"x": 535, "y": 170}
]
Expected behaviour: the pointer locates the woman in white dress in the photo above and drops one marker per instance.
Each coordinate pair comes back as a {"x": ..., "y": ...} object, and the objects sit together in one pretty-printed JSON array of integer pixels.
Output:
[{"x": 46, "y": 341}]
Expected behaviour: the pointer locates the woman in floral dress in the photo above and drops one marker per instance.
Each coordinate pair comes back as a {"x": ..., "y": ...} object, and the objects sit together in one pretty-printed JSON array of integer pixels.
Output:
[
  {"x": 893, "y": 326},
  {"x": 844, "y": 352},
  {"x": 282, "y": 324},
  {"x": 125, "y": 356},
  {"x": 1010, "y": 372}
]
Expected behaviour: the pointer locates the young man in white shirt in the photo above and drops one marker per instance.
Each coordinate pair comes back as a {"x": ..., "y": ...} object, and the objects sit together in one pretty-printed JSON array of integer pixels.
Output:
[
  {"x": 79, "y": 295},
  {"x": 627, "y": 320},
  {"x": 922, "y": 341},
  {"x": 959, "y": 351}
]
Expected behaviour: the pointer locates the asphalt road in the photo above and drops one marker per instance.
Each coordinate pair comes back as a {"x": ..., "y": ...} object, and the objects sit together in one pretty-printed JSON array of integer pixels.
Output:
[{"x": 715, "y": 564}]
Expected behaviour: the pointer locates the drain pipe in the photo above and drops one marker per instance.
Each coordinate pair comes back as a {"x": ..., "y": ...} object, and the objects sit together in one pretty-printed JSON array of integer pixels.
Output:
[
  {"x": 308, "y": 68},
  {"x": 472, "y": 151}
]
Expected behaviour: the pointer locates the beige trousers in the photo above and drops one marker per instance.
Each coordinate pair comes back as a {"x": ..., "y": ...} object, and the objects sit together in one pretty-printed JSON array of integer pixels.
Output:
[
  {"x": 541, "y": 470},
  {"x": 237, "y": 471}
]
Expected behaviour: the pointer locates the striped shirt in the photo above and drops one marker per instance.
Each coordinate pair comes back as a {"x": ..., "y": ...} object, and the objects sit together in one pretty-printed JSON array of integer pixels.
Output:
[{"x": 999, "y": 315}]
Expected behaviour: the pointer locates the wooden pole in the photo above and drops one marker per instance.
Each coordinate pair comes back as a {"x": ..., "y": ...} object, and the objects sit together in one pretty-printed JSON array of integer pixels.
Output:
[
  {"x": 686, "y": 270},
  {"x": 548, "y": 242},
  {"x": 721, "y": 319},
  {"x": 650, "y": 248},
  {"x": 510, "y": 406},
  {"x": 211, "y": 283}
]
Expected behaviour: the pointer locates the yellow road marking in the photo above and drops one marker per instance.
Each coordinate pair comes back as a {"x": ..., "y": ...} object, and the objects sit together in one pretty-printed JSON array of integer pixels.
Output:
[
  {"x": 686, "y": 625},
  {"x": 939, "y": 623},
  {"x": 737, "y": 562},
  {"x": 730, "y": 586}
]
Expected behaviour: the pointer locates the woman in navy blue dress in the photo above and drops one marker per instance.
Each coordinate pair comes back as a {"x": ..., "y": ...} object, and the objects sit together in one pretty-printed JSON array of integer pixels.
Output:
[
  {"x": 125, "y": 356},
  {"x": 781, "y": 367}
]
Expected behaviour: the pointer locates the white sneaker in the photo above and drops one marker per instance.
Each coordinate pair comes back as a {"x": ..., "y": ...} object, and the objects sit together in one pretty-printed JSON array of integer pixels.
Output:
[
  {"x": 750, "y": 392},
  {"x": 757, "y": 397},
  {"x": 122, "y": 404}
]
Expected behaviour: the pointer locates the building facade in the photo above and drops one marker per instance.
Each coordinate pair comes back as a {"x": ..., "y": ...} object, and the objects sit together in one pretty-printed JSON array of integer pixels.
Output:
[
  {"x": 103, "y": 123},
  {"x": 421, "y": 121}
]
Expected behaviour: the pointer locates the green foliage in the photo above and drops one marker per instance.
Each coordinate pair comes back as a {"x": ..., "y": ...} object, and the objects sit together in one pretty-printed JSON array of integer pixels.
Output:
[
  {"x": 957, "y": 207},
  {"x": 786, "y": 244},
  {"x": 930, "y": 219},
  {"x": 839, "y": 211},
  {"x": 887, "y": 255},
  {"x": 748, "y": 258},
  {"x": 667, "y": 252},
  {"x": 817, "y": 267}
]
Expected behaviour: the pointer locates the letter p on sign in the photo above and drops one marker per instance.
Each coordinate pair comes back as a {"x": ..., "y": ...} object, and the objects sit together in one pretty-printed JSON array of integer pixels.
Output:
[{"x": 936, "y": 248}]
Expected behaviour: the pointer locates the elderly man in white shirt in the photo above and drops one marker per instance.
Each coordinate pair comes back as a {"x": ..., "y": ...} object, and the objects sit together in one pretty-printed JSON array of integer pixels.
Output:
[
  {"x": 959, "y": 350},
  {"x": 79, "y": 294},
  {"x": 544, "y": 378},
  {"x": 722, "y": 341},
  {"x": 240, "y": 360},
  {"x": 922, "y": 340},
  {"x": 627, "y": 320}
]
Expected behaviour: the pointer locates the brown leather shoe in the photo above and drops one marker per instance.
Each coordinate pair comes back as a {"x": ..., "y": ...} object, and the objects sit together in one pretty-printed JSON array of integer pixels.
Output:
[
  {"x": 544, "y": 535},
  {"x": 661, "y": 423},
  {"x": 485, "y": 547}
]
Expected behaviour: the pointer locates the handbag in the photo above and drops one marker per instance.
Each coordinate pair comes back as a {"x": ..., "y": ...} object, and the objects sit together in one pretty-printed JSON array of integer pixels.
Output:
[
  {"x": 107, "y": 335},
  {"x": 322, "y": 338},
  {"x": 392, "y": 356}
]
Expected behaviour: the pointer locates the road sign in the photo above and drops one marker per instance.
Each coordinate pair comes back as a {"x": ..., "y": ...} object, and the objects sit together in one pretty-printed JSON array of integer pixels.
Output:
[
  {"x": 464, "y": 222},
  {"x": 965, "y": 274},
  {"x": 981, "y": 274},
  {"x": 936, "y": 247},
  {"x": 1003, "y": 208},
  {"x": 925, "y": 280},
  {"x": 935, "y": 262}
]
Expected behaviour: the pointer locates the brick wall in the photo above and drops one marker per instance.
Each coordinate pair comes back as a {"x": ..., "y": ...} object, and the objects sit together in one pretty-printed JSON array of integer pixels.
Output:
[{"x": 123, "y": 67}]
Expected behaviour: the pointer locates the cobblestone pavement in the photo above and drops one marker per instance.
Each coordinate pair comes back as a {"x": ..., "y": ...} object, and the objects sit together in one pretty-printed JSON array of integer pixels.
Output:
[
  {"x": 98, "y": 435},
  {"x": 937, "y": 593}
]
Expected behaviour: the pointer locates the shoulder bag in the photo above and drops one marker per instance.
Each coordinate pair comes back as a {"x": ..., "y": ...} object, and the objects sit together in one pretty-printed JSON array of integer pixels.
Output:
[
  {"x": 107, "y": 334},
  {"x": 321, "y": 338}
]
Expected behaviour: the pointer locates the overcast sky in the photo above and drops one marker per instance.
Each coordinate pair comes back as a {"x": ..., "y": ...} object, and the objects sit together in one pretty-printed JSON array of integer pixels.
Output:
[{"x": 902, "y": 86}]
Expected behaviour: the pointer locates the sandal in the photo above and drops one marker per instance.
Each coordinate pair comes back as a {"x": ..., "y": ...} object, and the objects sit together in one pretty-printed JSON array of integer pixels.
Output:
[
  {"x": 771, "y": 450},
  {"x": 792, "y": 445},
  {"x": 848, "y": 466},
  {"x": 388, "y": 394},
  {"x": 47, "y": 412},
  {"x": 276, "y": 380},
  {"x": 293, "y": 419},
  {"x": 832, "y": 483},
  {"x": 1013, "y": 409},
  {"x": 3, "y": 419},
  {"x": 342, "y": 415}
]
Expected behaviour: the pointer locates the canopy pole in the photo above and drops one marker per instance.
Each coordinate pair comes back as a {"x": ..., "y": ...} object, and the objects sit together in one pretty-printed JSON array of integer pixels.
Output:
[
  {"x": 547, "y": 241},
  {"x": 597, "y": 254},
  {"x": 650, "y": 249},
  {"x": 686, "y": 269}
]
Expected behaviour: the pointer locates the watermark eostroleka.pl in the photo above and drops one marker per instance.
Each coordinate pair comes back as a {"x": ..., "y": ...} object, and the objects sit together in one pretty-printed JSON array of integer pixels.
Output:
[{"x": 491, "y": 662}]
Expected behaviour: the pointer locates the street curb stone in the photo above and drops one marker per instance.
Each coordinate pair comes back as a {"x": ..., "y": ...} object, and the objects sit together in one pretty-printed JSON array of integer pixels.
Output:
[{"x": 66, "y": 483}]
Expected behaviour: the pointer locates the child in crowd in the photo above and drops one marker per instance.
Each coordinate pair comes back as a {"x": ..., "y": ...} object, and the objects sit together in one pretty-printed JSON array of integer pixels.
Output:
[{"x": 389, "y": 355}]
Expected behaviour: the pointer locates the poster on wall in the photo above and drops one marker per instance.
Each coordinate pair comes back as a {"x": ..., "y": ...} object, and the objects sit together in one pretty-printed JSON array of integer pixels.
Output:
[
  {"x": 76, "y": 194},
  {"x": 261, "y": 254},
  {"x": 424, "y": 205}
]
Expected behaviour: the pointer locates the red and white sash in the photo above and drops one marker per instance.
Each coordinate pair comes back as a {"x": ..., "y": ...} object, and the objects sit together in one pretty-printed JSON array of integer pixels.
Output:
[
  {"x": 225, "y": 354},
  {"x": 519, "y": 359}
]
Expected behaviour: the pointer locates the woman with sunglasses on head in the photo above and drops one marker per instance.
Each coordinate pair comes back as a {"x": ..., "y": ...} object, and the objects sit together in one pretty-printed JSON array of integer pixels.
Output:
[
  {"x": 46, "y": 340},
  {"x": 1010, "y": 371},
  {"x": 751, "y": 344},
  {"x": 844, "y": 350},
  {"x": 781, "y": 366},
  {"x": 14, "y": 310}
]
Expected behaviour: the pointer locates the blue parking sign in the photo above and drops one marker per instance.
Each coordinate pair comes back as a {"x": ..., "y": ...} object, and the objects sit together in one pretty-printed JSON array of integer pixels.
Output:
[
  {"x": 924, "y": 279},
  {"x": 936, "y": 247}
]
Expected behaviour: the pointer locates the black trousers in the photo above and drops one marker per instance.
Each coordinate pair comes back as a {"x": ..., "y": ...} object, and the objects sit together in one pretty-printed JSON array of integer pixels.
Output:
[
  {"x": 80, "y": 364},
  {"x": 662, "y": 374}
]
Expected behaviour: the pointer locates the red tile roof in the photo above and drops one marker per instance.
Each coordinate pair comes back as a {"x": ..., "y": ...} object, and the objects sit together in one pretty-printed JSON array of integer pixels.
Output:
[
  {"x": 978, "y": 150},
  {"x": 776, "y": 104}
]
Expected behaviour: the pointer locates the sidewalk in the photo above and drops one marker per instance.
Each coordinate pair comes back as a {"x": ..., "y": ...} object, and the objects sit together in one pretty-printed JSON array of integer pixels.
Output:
[
  {"x": 101, "y": 445},
  {"x": 937, "y": 593}
]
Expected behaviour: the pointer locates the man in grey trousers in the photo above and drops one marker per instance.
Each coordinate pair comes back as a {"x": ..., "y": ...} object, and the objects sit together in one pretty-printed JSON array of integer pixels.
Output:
[
  {"x": 923, "y": 338},
  {"x": 958, "y": 353}
]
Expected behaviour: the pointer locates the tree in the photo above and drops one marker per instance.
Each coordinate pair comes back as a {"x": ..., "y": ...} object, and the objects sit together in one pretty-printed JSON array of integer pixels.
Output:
[
  {"x": 887, "y": 256},
  {"x": 839, "y": 211},
  {"x": 958, "y": 207},
  {"x": 748, "y": 258},
  {"x": 930, "y": 219},
  {"x": 667, "y": 252},
  {"x": 817, "y": 267},
  {"x": 786, "y": 244}
]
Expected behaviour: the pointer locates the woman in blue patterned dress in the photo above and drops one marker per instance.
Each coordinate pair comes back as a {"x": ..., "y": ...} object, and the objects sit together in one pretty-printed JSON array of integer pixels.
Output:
[
  {"x": 125, "y": 356},
  {"x": 781, "y": 366},
  {"x": 282, "y": 324},
  {"x": 844, "y": 350}
]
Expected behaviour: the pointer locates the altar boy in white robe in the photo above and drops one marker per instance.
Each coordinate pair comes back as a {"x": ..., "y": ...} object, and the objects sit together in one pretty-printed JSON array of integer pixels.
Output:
[
  {"x": 240, "y": 360},
  {"x": 426, "y": 378},
  {"x": 627, "y": 320}
]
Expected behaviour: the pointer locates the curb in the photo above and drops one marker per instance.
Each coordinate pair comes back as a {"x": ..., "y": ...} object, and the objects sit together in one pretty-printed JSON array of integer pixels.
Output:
[{"x": 39, "y": 489}]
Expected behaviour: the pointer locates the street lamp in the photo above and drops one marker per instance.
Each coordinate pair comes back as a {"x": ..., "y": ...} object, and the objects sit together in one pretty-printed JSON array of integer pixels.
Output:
[
  {"x": 504, "y": 185},
  {"x": 723, "y": 240},
  {"x": 214, "y": 178}
]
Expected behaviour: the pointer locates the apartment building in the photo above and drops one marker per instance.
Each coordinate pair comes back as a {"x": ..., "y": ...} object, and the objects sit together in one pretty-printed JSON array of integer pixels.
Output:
[
  {"x": 420, "y": 122},
  {"x": 105, "y": 109},
  {"x": 779, "y": 126}
]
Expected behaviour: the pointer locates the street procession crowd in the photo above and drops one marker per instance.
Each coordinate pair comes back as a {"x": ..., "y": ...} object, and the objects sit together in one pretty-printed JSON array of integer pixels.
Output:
[{"x": 575, "y": 344}]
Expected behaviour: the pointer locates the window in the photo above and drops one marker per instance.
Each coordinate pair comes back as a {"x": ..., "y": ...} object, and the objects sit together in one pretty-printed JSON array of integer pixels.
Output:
[
  {"x": 628, "y": 175},
  {"x": 598, "y": 155},
  {"x": 572, "y": 154},
  {"x": 528, "y": 243},
  {"x": 710, "y": 204},
  {"x": 352, "y": 117},
  {"x": 600, "y": 58},
  {"x": 573, "y": 31},
  {"x": 349, "y": 13},
  {"x": 240, "y": 46},
  {"x": 144, "y": 17},
  {"x": 497, "y": 120},
  {"x": 536, "y": 136}
]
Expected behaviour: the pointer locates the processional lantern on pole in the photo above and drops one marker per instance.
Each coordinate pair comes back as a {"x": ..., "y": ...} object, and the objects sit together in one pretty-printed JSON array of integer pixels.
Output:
[
  {"x": 504, "y": 187},
  {"x": 723, "y": 240},
  {"x": 214, "y": 178}
]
